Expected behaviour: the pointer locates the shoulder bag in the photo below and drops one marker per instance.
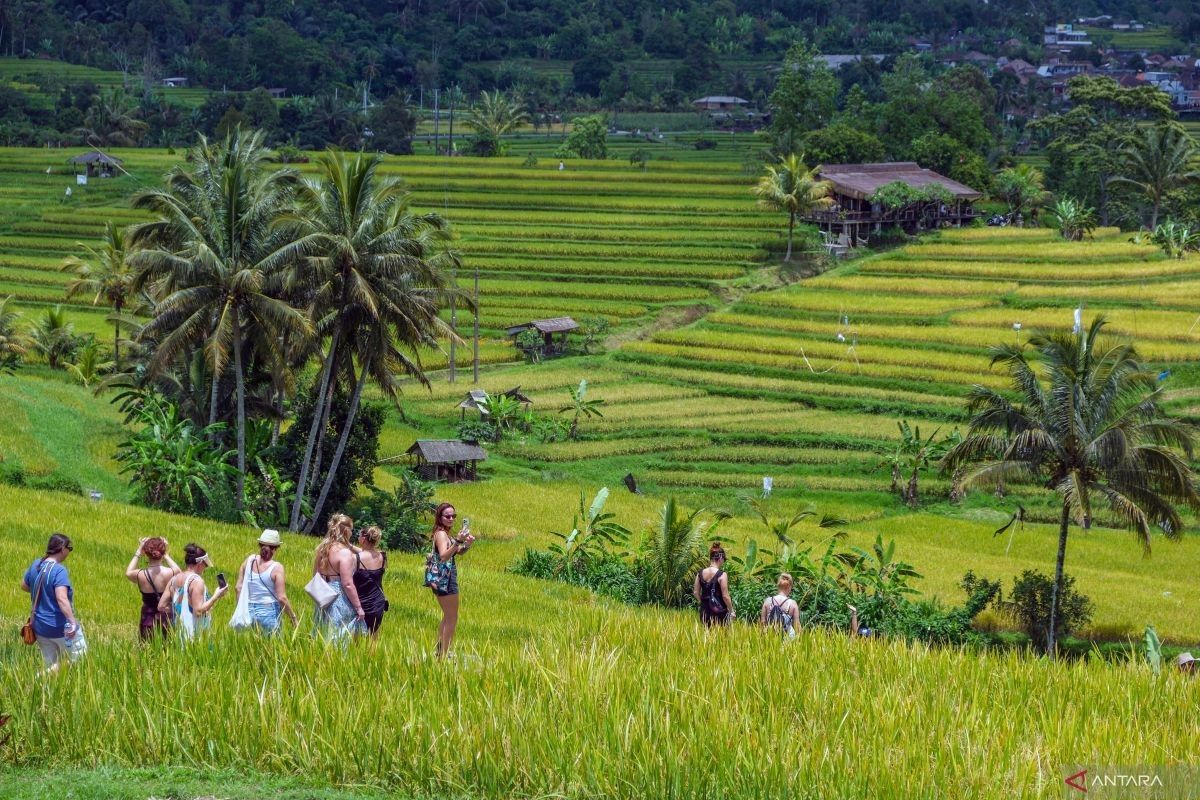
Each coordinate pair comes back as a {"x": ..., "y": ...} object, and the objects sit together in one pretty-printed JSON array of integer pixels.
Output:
[
  {"x": 27, "y": 634},
  {"x": 320, "y": 591}
]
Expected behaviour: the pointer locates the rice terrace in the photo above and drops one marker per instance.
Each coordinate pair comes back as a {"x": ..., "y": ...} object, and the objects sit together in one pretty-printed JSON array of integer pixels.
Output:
[{"x": 528, "y": 401}]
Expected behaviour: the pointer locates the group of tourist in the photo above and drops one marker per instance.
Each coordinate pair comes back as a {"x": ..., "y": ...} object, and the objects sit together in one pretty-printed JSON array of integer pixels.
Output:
[
  {"x": 779, "y": 611},
  {"x": 346, "y": 587}
]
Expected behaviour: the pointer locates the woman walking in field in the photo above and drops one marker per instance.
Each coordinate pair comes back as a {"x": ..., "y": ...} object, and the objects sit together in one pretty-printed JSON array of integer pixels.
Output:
[
  {"x": 188, "y": 596},
  {"x": 780, "y": 611},
  {"x": 261, "y": 579},
  {"x": 369, "y": 567},
  {"x": 335, "y": 562},
  {"x": 52, "y": 613},
  {"x": 152, "y": 581},
  {"x": 712, "y": 589},
  {"x": 441, "y": 571}
]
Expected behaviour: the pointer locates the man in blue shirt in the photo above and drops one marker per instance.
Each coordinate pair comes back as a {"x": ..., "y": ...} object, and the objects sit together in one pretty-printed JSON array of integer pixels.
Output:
[{"x": 53, "y": 600}]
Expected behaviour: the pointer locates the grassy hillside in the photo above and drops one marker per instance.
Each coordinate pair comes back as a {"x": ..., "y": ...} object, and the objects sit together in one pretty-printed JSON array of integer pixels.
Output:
[{"x": 553, "y": 691}]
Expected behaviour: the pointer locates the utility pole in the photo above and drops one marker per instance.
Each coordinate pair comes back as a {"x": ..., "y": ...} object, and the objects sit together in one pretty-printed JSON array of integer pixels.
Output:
[
  {"x": 476, "y": 347},
  {"x": 453, "y": 325},
  {"x": 436, "y": 119},
  {"x": 450, "y": 146}
]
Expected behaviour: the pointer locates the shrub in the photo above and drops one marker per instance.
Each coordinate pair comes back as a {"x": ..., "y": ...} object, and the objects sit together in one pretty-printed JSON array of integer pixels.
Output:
[
  {"x": 401, "y": 514},
  {"x": 704, "y": 143},
  {"x": 1029, "y": 602}
]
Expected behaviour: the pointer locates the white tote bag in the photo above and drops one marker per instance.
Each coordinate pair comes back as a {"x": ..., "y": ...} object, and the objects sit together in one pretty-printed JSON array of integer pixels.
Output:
[
  {"x": 320, "y": 591},
  {"x": 241, "y": 618}
]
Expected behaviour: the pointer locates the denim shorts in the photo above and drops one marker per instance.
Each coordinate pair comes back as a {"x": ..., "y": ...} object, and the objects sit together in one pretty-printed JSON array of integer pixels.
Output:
[
  {"x": 266, "y": 616},
  {"x": 451, "y": 587}
]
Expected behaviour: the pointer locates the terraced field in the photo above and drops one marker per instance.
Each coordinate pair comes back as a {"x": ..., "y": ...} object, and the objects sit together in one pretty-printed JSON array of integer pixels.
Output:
[
  {"x": 599, "y": 238},
  {"x": 806, "y": 383},
  {"x": 42, "y": 79}
]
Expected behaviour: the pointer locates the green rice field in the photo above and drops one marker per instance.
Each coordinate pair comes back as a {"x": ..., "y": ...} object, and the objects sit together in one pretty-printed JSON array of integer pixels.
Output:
[{"x": 719, "y": 370}]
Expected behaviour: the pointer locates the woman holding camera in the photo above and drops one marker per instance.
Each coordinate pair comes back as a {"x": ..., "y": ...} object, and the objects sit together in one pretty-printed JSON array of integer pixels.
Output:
[
  {"x": 445, "y": 548},
  {"x": 187, "y": 595}
]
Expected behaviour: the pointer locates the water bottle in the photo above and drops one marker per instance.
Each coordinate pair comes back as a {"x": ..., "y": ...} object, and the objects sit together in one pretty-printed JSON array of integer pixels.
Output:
[{"x": 76, "y": 644}]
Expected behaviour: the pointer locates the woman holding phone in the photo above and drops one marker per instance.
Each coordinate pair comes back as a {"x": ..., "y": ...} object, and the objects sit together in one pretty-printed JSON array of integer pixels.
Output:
[
  {"x": 446, "y": 547},
  {"x": 187, "y": 595}
]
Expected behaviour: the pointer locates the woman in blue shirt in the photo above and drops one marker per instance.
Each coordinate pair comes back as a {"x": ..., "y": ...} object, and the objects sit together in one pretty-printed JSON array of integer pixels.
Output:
[{"x": 53, "y": 600}]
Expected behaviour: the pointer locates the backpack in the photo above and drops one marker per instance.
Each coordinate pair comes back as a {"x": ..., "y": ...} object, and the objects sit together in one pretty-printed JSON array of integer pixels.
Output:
[
  {"x": 711, "y": 601},
  {"x": 777, "y": 617}
]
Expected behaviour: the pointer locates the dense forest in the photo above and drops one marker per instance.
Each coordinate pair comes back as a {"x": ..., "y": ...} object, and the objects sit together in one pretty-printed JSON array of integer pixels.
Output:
[{"x": 308, "y": 46}]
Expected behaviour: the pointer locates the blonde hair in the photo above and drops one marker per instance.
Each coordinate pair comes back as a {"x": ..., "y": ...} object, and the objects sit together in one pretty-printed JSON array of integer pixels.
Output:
[
  {"x": 372, "y": 534},
  {"x": 785, "y": 582},
  {"x": 337, "y": 531}
]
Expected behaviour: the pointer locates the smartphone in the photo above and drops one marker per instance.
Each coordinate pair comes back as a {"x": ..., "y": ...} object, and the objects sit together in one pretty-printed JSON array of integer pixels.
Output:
[
  {"x": 466, "y": 523},
  {"x": 221, "y": 582}
]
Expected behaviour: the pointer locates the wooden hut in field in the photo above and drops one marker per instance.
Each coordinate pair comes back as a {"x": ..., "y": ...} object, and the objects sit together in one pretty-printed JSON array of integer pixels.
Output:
[
  {"x": 97, "y": 164},
  {"x": 856, "y": 214},
  {"x": 451, "y": 460},
  {"x": 558, "y": 327},
  {"x": 477, "y": 400}
]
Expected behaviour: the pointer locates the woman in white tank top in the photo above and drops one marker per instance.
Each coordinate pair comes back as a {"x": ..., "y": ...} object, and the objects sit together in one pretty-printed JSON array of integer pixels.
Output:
[{"x": 261, "y": 578}]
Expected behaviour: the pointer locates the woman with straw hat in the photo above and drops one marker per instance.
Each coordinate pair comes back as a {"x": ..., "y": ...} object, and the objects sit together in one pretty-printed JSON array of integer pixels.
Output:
[{"x": 261, "y": 588}]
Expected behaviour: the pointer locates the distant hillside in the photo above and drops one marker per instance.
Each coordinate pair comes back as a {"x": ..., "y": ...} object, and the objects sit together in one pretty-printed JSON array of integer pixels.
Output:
[{"x": 308, "y": 46}]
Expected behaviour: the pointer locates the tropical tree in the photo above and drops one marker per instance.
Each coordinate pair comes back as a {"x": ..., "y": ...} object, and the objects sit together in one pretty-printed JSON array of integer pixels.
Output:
[
  {"x": 1022, "y": 187},
  {"x": 492, "y": 117},
  {"x": 54, "y": 337},
  {"x": 215, "y": 256},
  {"x": 1085, "y": 423},
  {"x": 112, "y": 120},
  {"x": 913, "y": 454},
  {"x": 1160, "y": 158},
  {"x": 580, "y": 406},
  {"x": 673, "y": 551},
  {"x": 793, "y": 188},
  {"x": 1075, "y": 220},
  {"x": 105, "y": 273},
  {"x": 375, "y": 276},
  {"x": 13, "y": 342}
]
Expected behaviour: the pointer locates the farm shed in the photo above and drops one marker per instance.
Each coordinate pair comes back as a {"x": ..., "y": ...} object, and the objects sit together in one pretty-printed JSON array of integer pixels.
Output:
[
  {"x": 719, "y": 103},
  {"x": 548, "y": 328},
  {"x": 97, "y": 164},
  {"x": 476, "y": 399},
  {"x": 854, "y": 213},
  {"x": 450, "y": 460}
]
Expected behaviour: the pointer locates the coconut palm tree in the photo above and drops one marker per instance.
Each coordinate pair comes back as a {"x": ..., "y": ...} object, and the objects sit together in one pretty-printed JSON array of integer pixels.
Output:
[
  {"x": 791, "y": 187},
  {"x": 112, "y": 120},
  {"x": 104, "y": 272},
  {"x": 1085, "y": 423},
  {"x": 496, "y": 114},
  {"x": 13, "y": 342},
  {"x": 674, "y": 551},
  {"x": 1160, "y": 159},
  {"x": 1022, "y": 186},
  {"x": 215, "y": 256},
  {"x": 372, "y": 269}
]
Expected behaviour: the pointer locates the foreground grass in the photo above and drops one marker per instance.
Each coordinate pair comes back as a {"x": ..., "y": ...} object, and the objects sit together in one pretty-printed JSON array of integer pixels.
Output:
[
  {"x": 173, "y": 782},
  {"x": 554, "y": 692}
]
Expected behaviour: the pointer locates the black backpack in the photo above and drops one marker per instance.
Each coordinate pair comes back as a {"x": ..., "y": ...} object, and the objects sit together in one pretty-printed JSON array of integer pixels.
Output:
[
  {"x": 777, "y": 617},
  {"x": 710, "y": 596}
]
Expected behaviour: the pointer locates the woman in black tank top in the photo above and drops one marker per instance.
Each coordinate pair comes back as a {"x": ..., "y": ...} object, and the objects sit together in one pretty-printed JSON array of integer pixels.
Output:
[
  {"x": 151, "y": 582},
  {"x": 369, "y": 582}
]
